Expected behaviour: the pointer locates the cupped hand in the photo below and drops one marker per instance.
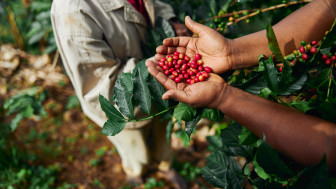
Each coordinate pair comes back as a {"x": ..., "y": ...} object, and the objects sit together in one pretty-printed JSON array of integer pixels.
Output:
[
  {"x": 214, "y": 48},
  {"x": 208, "y": 93}
]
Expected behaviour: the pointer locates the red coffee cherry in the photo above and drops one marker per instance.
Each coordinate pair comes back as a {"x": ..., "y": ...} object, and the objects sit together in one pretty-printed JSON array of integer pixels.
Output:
[
  {"x": 178, "y": 71},
  {"x": 163, "y": 60},
  {"x": 313, "y": 50},
  {"x": 175, "y": 57},
  {"x": 165, "y": 67},
  {"x": 186, "y": 58},
  {"x": 161, "y": 64},
  {"x": 186, "y": 76},
  {"x": 324, "y": 57},
  {"x": 314, "y": 43},
  {"x": 200, "y": 62},
  {"x": 172, "y": 77},
  {"x": 305, "y": 57},
  {"x": 184, "y": 72},
  {"x": 328, "y": 62},
  {"x": 280, "y": 69},
  {"x": 171, "y": 70},
  {"x": 184, "y": 67},
  {"x": 192, "y": 77},
  {"x": 181, "y": 76},
  {"x": 200, "y": 68},
  {"x": 175, "y": 73},
  {"x": 302, "y": 50},
  {"x": 192, "y": 82},
  {"x": 333, "y": 58},
  {"x": 176, "y": 53},
  {"x": 196, "y": 80},
  {"x": 207, "y": 69},
  {"x": 190, "y": 72},
  {"x": 194, "y": 70},
  {"x": 177, "y": 66},
  {"x": 205, "y": 74},
  {"x": 193, "y": 62},
  {"x": 170, "y": 64},
  {"x": 198, "y": 74},
  {"x": 189, "y": 64},
  {"x": 193, "y": 65},
  {"x": 181, "y": 56},
  {"x": 167, "y": 72},
  {"x": 169, "y": 59},
  {"x": 198, "y": 57},
  {"x": 179, "y": 62},
  {"x": 178, "y": 80},
  {"x": 201, "y": 78},
  {"x": 188, "y": 81},
  {"x": 174, "y": 62}
]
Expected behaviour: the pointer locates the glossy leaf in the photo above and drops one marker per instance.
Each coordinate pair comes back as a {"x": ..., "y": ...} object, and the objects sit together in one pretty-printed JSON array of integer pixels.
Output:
[
  {"x": 143, "y": 69},
  {"x": 184, "y": 112},
  {"x": 257, "y": 87},
  {"x": 295, "y": 86},
  {"x": 271, "y": 77},
  {"x": 231, "y": 141},
  {"x": 123, "y": 99},
  {"x": 265, "y": 92},
  {"x": 330, "y": 39},
  {"x": 259, "y": 170},
  {"x": 28, "y": 112},
  {"x": 111, "y": 127},
  {"x": 322, "y": 77},
  {"x": 270, "y": 161},
  {"x": 156, "y": 91},
  {"x": 302, "y": 106},
  {"x": 273, "y": 43},
  {"x": 285, "y": 76},
  {"x": 169, "y": 130},
  {"x": 142, "y": 94},
  {"x": 209, "y": 176},
  {"x": 214, "y": 141},
  {"x": 183, "y": 136},
  {"x": 315, "y": 177},
  {"x": 190, "y": 125},
  {"x": 212, "y": 114},
  {"x": 127, "y": 79},
  {"x": 246, "y": 137},
  {"x": 164, "y": 28},
  {"x": 110, "y": 111},
  {"x": 261, "y": 67}
]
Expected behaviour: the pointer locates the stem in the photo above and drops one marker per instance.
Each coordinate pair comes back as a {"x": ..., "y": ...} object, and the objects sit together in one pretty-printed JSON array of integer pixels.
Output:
[
  {"x": 134, "y": 120},
  {"x": 330, "y": 78},
  {"x": 297, "y": 97}
]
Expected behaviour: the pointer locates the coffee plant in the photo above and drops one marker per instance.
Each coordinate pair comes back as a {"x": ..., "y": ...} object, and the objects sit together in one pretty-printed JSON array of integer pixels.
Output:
[{"x": 307, "y": 75}]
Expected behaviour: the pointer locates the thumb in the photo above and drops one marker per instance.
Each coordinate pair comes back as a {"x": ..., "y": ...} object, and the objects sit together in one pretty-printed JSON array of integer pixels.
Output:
[
  {"x": 196, "y": 27},
  {"x": 178, "y": 95}
]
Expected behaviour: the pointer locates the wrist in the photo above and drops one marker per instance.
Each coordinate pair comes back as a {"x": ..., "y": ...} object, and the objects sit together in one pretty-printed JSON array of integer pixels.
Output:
[
  {"x": 222, "y": 98},
  {"x": 235, "y": 56}
]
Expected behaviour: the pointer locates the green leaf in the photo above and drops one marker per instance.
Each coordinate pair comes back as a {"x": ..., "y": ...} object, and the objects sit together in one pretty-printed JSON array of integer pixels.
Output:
[
  {"x": 142, "y": 94},
  {"x": 323, "y": 77},
  {"x": 261, "y": 67},
  {"x": 213, "y": 6},
  {"x": 123, "y": 99},
  {"x": 164, "y": 28},
  {"x": 157, "y": 90},
  {"x": 50, "y": 48},
  {"x": 271, "y": 76},
  {"x": 127, "y": 79},
  {"x": 224, "y": 4},
  {"x": 330, "y": 39},
  {"x": 190, "y": 125},
  {"x": 295, "y": 86},
  {"x": 212, "y": 114},
  {"x": 219, "y": 182},
  {"x": 184, "y": 112},
  {"x": 73, "y": 102},
  {"x": 257, "y": 87},
  {"x": 112, "y": 127},
  {"x": 315, "y": 177},
  {"x": 273, "y": 43},
  {"x": 302, "y": 106},
  {"x": 111, "y": 112},
  {"x": 265, "y": 93},
  {"x": 265, "y": 184},
  {"x": 36, "y": 37},
  {"x": 28, "y": 112},
  {"x": 183, "y": 136},
  {"x": 143, "y": 69},
  {"x": 15, "y": 121},
  {"x": 169, "y": 130},
  {"x": 285, "y": 76},
  {"x": 231, "y": 141},
  {"x": 333, "y": 183},
  {"x": 270, "y": 161},
  {"x": 246, "y": 137},
  {"x": 214, "y": 141},
  {"x": 259, "y": 170}
]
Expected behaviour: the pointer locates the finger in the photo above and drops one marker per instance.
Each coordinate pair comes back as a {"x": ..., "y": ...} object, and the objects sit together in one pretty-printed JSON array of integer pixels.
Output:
[
  {"x": 167, "y": 83},
  {"x": 197, "y": 28},
  {"x": 215, "y": 78},
  {"x": 176, "y": 41},
  {"x": 178, "y": 95},
  {"x": 158, "y": 57},
  {"x": 169, "y": 50},
  {"x": 150, "y": 63}
]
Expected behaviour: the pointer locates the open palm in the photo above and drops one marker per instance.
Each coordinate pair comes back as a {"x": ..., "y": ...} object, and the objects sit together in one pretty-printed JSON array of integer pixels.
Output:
[
  {"x": 201, "y": 94},
  {"x": 214, "y": 48}
]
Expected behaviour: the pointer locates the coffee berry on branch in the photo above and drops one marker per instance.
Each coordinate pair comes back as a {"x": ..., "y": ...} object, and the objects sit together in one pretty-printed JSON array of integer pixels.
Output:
[{"x": 180, "y": 68}]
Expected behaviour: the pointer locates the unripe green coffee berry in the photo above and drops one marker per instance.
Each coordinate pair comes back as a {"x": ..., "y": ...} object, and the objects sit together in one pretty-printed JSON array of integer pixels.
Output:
[
  {"x": 245, "y": 13},
  {"x": 296, "y": 53},
  {"x": 247, "y": 21},
  {"x": 330, "y": 55},
  {"x": 301, "y": 60},
  {"x": 210, "y": 14},
  {"x": 303, "y": 43},
  {"x": 284, "y": 2},
  {"x": 258, "y": 11},
  {"x": 290, "y": 58}
]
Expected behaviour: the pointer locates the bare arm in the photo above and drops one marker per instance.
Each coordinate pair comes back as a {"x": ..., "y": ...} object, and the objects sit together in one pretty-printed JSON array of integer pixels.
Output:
[{"x": 306, "y": 24}]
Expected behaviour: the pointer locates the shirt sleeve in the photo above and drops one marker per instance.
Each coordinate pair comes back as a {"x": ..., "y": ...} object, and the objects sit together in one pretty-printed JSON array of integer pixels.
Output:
[
  {"x": 163, "y": 10},
  {"x": 88, "y": 60}
]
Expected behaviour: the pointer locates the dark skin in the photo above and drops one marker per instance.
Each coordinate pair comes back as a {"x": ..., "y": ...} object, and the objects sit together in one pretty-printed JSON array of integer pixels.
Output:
[
  {"x": 301, "y": 137},
  {"x": 180, "y": 28}
]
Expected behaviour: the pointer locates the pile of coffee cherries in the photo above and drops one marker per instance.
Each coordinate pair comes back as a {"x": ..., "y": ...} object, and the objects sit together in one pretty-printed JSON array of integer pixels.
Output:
[{"x": 180, "y": 68}]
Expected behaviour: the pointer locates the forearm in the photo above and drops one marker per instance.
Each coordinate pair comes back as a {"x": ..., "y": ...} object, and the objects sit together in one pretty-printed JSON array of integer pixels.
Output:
[
  {"x": 301, "y": 137},
  {"x": 306, "y": 24}
]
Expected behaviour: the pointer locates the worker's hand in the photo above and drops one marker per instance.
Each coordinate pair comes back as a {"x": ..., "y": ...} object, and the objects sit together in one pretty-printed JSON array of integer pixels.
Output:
[
  {"x": 208, "y": 93},
  {"x": 180, "y": 29},
  {"x": 214, "y": 48}
]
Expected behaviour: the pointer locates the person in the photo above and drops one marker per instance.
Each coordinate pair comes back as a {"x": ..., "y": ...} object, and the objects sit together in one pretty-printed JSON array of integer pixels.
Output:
[
  {"x": 301, "y": 137},
  {"x": 99, "y": 39}
]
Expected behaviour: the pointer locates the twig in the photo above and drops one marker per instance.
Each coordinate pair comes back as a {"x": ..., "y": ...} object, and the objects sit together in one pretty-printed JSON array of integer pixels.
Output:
[
  {"x": 268, "y": 9},
  {"x": 55, "y": 60},
  {"x": 330, "y": 78}
]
